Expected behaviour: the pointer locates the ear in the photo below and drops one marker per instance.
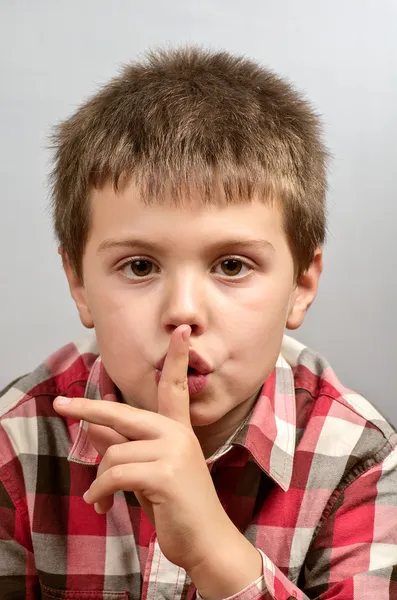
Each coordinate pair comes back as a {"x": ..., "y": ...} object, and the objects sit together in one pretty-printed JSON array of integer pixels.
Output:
[
  {"x": 77, "y": 291},
  {"x": 305, "y": 292}
]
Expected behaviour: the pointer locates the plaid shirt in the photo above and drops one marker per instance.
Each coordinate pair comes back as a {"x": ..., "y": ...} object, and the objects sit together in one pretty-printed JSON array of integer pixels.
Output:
[{"x": 310, "y": 478}]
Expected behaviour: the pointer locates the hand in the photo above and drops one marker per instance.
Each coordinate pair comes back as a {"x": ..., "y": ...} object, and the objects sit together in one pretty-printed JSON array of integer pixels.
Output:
[{"x": 158, "y": 457}]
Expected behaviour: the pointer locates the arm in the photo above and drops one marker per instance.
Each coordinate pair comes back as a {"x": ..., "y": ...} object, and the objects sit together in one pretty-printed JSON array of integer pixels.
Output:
[
  {"x": 158, "y": 457},
  {"x": 18, "y": 577},
  {"x": 353, "y": 556}
]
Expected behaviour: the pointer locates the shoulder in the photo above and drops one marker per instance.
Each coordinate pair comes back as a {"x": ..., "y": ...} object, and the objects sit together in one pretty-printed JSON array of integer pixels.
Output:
[
  {"x": 344, "y": 422},
  {"x": 55, "y": 376},
  {"x": 27, "y": 417}
]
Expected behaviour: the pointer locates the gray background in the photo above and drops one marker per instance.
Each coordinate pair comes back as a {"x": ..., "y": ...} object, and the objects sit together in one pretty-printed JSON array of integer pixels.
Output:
[{"x": 343, "y": 53}]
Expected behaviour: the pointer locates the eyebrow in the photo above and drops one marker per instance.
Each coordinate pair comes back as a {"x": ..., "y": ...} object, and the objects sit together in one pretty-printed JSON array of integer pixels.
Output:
[{"x": 220, "y": 246}]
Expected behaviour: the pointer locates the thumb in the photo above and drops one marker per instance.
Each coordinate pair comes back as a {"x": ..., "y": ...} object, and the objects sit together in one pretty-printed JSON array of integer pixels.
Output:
[{"x": 102, "y": 437}]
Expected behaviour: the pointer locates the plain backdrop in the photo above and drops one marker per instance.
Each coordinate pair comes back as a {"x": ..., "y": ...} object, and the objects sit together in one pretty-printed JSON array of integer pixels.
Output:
[{"x": 343, "y": 54}]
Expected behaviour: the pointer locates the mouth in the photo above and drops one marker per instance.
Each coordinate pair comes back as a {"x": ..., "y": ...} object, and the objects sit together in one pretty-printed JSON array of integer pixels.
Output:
[
  {"x": 197, "y": 364},
  {"x": 197, "y": 372}
]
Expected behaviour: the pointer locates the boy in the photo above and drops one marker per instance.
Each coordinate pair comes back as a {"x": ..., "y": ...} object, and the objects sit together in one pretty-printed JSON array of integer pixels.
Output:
[{"x": 195, "y": 451}]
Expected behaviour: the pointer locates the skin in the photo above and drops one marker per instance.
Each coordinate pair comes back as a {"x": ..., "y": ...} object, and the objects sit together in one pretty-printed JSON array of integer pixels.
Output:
[
  {"x": 236, "y": 313},
  {"x": 162, "y": 466}
]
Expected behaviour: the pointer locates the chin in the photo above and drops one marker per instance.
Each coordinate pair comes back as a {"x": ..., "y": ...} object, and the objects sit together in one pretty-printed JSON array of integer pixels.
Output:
[{"x": 202, "y": 414}]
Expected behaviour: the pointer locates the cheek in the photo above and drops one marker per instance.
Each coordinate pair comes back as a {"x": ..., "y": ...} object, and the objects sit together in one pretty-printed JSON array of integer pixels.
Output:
[
  {"x": 121, "y": 336},
  {"x": 257, "y": 332},
  {"x": 262, "y": 312},
  {"x": 120, "y": 328},
  {"x": 114, "y": 309}
]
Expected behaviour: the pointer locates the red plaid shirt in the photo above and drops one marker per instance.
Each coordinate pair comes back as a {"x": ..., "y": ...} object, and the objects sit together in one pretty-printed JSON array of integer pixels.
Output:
[{"x": 310, "y": 478}]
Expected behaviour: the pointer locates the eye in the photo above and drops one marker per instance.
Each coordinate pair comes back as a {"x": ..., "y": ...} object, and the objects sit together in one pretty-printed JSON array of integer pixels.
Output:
[
  {"x": 234, "y": 267},
  {"x": 137, "y": 268}
]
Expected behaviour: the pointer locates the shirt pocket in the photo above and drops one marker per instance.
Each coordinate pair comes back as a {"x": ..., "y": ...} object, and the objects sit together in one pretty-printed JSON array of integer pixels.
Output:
[{"x": 48, "y": 593}]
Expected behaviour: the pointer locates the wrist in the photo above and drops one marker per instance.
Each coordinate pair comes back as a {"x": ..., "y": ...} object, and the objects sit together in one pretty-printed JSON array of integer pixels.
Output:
[{"x": 231, "y": 564}]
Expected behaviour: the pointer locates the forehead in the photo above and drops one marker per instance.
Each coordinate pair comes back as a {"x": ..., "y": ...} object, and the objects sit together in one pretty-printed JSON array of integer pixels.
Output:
[{"x": 123, "y": 212}]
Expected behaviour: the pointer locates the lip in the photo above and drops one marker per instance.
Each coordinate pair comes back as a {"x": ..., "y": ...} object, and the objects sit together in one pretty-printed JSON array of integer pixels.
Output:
[
  {"x": 196, "y": 362},
  {"x": 196, "y": 381}
]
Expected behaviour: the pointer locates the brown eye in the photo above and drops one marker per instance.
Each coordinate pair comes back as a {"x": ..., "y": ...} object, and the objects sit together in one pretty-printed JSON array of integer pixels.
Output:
[
  {"x": 231, "y": 267},
  {"x": 140, "y": 268}
]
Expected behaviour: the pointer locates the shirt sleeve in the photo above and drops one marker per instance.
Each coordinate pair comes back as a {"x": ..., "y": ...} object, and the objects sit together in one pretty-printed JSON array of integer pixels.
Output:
[
  {"x": 354, "y": 554},
  {"x": 18, "y": 577}
]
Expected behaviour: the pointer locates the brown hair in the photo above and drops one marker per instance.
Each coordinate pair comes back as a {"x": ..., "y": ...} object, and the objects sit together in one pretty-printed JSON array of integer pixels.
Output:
[{"x": 187, "y": 119}]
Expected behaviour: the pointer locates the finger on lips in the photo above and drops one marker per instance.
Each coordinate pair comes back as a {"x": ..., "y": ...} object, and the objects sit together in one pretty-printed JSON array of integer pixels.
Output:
[
  {"x": 173, "y": 394},
  {"x": 177, "y": 359},
  {"x": 112, "y": 425}
]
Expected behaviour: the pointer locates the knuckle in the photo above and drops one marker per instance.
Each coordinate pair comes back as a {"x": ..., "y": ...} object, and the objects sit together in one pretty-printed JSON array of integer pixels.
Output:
[
  {"x": 174, "y": 385},
  {"x": 186, "y": 438},
  {"x": 180, "y": 452},
  {"x": 182, "y": 383},
  {"x": 112, "y": 455},
  {"x": 168, "y": 474},
  {"x": 117, "y": 474}
]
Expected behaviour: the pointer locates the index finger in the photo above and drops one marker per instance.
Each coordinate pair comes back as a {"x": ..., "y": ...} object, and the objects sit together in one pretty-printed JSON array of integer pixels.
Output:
[{"x": 173, "y": 392}]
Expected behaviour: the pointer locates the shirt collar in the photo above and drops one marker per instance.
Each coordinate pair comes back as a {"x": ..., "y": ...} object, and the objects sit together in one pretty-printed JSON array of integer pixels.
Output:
[
  {"x": 268, "y": 433},
  {"x": 99, "y": 386}
]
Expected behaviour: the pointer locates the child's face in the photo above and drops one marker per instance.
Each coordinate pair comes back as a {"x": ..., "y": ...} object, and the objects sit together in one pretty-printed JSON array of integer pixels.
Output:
[{"x": 237, "y": 310}]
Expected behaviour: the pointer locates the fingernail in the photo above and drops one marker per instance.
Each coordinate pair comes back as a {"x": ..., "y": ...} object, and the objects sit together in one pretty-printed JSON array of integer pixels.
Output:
[
  {"x": 62, "y": 401},
  {"x": 85, "y": 496},
  {"x": 186, "y": 334}
]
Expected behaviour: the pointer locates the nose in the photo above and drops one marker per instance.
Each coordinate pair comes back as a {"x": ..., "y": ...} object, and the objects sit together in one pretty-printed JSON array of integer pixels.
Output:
[{"x": 184, "y": 304}]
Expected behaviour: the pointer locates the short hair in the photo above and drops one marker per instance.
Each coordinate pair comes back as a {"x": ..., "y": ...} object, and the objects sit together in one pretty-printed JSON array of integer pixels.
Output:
[{"x": 192, "y": 119}]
